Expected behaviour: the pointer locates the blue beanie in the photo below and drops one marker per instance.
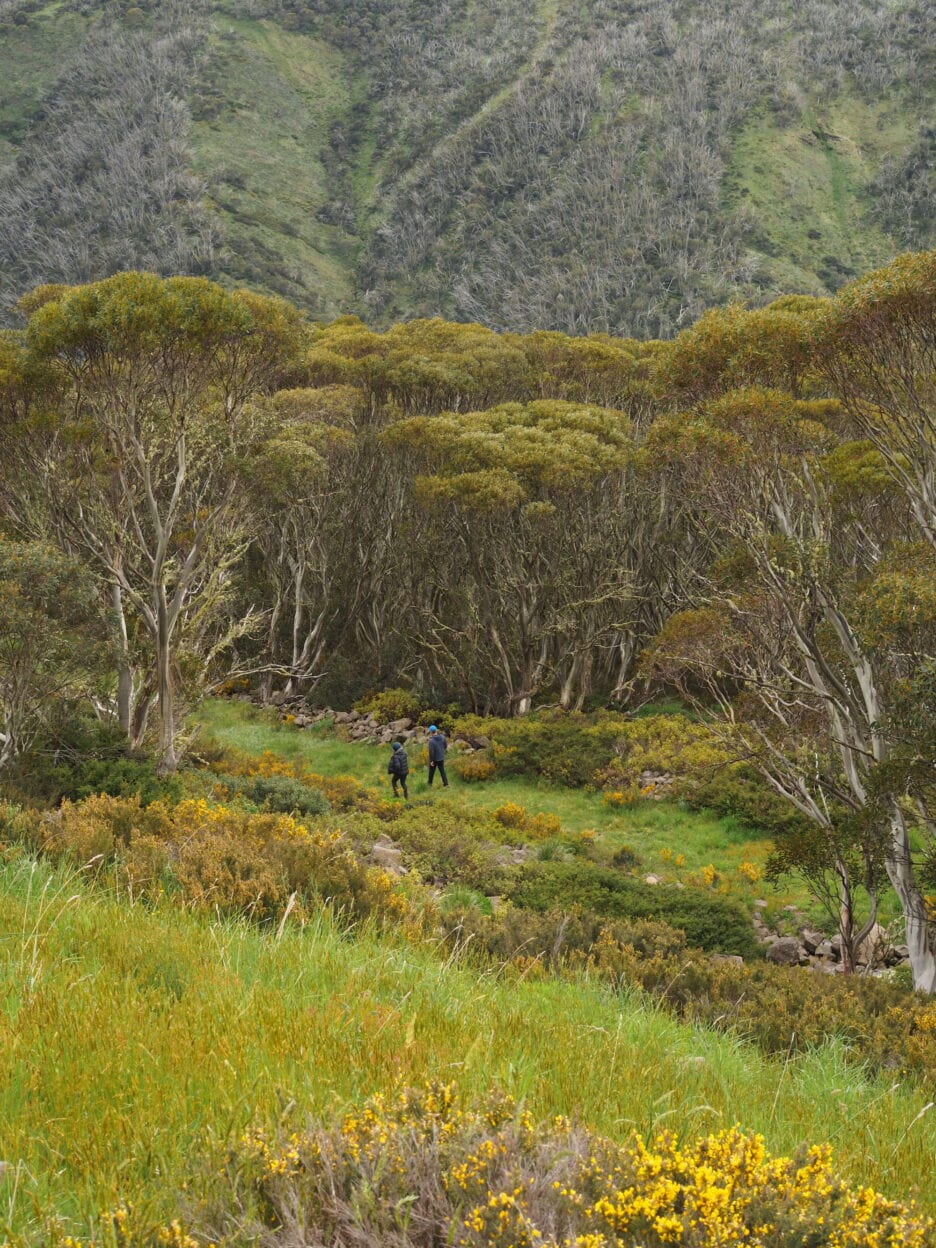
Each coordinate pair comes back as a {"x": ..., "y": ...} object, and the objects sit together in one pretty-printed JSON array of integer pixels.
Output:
[
  {"x": 397, "y": 746},
  {"x": 433, "y": 728}
]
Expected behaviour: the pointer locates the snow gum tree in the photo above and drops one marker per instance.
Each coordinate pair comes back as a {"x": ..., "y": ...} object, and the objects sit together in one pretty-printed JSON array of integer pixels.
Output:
[
  {"x": 815, "y": 612},
  {"x": 139, "y": 453}
]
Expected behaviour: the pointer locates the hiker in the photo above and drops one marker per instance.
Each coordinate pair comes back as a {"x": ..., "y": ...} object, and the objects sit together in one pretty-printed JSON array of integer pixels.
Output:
[
  {"x": 437, "y": 747},
  {"x": 398, "y": 768}
]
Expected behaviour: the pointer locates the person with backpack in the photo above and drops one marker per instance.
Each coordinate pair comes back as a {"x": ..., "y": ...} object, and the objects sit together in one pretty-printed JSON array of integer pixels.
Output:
[
  {"x": 398, "y": 769},
  {"x": 437, "y": 747}
]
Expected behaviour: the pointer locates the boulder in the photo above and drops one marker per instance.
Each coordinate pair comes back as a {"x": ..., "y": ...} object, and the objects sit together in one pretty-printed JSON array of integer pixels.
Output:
[
  {"x": 653, "y": 879},
  {"x": 278, "y": 697},
  {"x": 827, "y": 951},
  {"x": 785, "y": 951},
  {"x": 873, "y": 949},
  {"x": 387, "y": 854},
  {"x": 400, "y": 725},
  {"x": 343, "y": 717},
  {"x": 477, "y": 743},
  {"x": 811, "y": 939}
]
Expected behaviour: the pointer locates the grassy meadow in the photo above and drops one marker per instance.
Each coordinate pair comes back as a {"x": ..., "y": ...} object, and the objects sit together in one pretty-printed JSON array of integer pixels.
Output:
[
  {"x": 137, "y": 1044},
  {"x": 671, "y": 840}
]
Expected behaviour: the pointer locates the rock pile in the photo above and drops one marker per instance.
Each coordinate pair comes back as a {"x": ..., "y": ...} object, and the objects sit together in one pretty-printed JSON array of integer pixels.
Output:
[
  {"x": 356, "y": 726},
  {"x": 811, "y": 948}
]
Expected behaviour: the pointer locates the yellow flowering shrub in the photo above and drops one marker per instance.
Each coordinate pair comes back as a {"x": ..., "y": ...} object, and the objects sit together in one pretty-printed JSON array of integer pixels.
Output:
[
  {"x": 221, "y": 858},
  {"x": 536, "y": 827},
  {"x": 421, "y": 1169},
  {"x": 474, "y": 770}
]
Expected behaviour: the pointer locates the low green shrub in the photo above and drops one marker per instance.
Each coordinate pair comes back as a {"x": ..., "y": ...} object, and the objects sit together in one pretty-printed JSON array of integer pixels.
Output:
[
  {"x": 281, "y": 794},
  {"x": 625, "y": 858},
  {"x": 453, "y": 847},
  {"x": 557, "y": 746},
  {"x": 120, "y": 777},
  {"x": 459, "y": 898},
  {"x": 710, "y": 922}
]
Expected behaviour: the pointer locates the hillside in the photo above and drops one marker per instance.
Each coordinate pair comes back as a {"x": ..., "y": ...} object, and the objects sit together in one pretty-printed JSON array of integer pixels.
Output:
[
  {"x": 584, "y": 165},
  {"x": 195, "y": 1030}
]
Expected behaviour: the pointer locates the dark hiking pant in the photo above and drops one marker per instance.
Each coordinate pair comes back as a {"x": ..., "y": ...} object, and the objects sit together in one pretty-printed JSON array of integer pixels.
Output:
[
  {"x": 401, "y": 780},
  {"x": 440, "y": 767}
]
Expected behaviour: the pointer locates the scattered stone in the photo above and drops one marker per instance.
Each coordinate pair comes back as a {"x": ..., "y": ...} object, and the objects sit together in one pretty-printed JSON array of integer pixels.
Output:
[
  {"x": 827, "y": 951},
  {"x": 653, "y": 879},
  {"x": 823, "y": 967},
  {"x": 812, "y": 939},
  {"x": 342, "y": 717}
]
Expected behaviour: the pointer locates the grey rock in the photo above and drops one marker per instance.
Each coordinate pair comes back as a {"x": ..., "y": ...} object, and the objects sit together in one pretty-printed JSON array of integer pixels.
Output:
[
  {"x": 785, "y": 951},
  {"x": 812, "y": 939},
  {"x": 388, "y": 855},
  {"x": 873, "y": 949},
  {"x": 733, "y": 959},
  {"x": 821, "y": 967}
]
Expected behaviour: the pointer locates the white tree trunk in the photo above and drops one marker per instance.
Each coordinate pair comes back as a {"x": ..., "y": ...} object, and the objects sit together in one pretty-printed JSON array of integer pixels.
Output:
[{"x": 919, "y": 926}]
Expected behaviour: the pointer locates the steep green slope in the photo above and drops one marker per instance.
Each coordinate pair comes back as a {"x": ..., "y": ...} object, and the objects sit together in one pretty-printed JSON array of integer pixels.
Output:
[
  {"x": 803, "y": 191},
  {"x": 609, "y": 165},
  {"x": 138, "y": 1041},
  {"x": 272, "y": 98}
]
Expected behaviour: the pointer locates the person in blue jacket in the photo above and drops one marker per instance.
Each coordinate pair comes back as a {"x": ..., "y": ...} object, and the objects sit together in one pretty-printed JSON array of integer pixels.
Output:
[
  {"x": 398, "y": 769},
  {"x": 437, "y": 747}
]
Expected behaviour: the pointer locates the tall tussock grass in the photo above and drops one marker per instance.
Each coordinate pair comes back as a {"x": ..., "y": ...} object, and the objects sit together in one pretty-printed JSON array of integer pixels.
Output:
[{"x": 141, "y": 1041}]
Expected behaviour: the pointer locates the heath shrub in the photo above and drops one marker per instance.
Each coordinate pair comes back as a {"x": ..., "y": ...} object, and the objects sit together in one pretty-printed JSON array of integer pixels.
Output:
[{"x": 421, "y": 1169}]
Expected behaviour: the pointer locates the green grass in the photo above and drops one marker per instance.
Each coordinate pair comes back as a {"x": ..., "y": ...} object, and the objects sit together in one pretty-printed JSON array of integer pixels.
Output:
[
  {"x": 32, "y": 57},
  {"x": 804, "y": 185},
  {"x": 137, "y": 1043},
  {"x": 658, "y": 831},
  {"x": 263, "y": 154}
]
